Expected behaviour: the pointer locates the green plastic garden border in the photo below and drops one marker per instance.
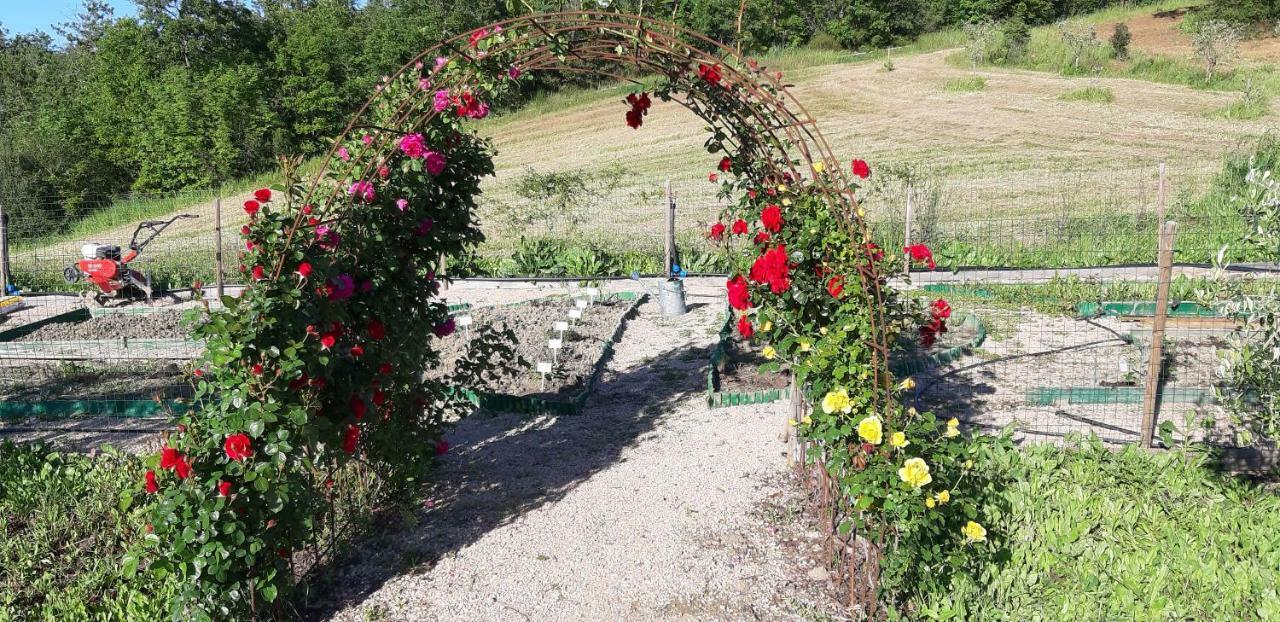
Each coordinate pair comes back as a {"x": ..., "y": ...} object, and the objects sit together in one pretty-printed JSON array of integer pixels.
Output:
[
  {"x": 506, "y": 402},
  {"x": 1046, "y": 396},
  {"x": 1143, "y": 308},
  {"x": 725, "y": 399},
  {"x": 68, "y": 409}
]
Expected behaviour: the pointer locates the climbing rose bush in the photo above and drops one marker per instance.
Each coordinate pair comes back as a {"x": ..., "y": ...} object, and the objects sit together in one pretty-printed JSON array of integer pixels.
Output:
[{"x": 316, "y": 370}]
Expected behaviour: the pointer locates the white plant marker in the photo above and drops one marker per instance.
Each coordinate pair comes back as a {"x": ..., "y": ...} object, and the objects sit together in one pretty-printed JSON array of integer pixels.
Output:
[
  {"x": 593, "y": 293},
  {"x": 465, "y": 322},
  {"x": 562, "y": 326},
  {"x": 575, "y": 315},
  {"x": 580, "y": 303},
  {"x": 544, "y": 368},
  {"x": 555, "y": 344}
]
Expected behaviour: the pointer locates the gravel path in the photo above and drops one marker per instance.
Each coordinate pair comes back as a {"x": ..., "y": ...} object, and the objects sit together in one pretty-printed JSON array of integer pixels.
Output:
[{"x": 648, "y": 506}]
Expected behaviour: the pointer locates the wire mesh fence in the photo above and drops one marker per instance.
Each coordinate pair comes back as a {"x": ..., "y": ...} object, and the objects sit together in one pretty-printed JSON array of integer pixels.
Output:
[{"x": 1054, "y": 286}]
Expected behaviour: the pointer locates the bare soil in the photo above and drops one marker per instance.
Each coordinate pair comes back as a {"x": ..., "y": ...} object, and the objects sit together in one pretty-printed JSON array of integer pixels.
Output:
[
  {"x": 1157, "y": 33},
  {"x": 533, "y": 324},
  {"x": 156, "y": 325},
  {"x": 80, "y": 381},
  {"x": 741, "y": 372}
]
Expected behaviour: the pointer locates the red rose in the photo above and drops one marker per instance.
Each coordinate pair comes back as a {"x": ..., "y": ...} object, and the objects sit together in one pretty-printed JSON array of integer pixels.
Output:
[
  {"x": 306, "y": 209},
  {"x": 262, "y": 194},
  {"x": 251, "y": 207},
  {"x": 358, "y": 407},
  {"x": 379, "y": 397},
  {"x": 152, "y": 486},
  {"x": 739, "y": 297},
  {"x": 304, "y": 270},
  {"x": 876, "y": 253},
  {"x": 773, "y": 268},
  {"x": 712, "y": 177},
  {"x": 350, "y": 437},
  {"x": 357, "y": 351},
  {"x": 725, "y": 164},
  {"x": 941, "y": 309},
  {"x": 224, "y": 488},
  {"x": 751, "y": 194},
  {"x": 258, "y": 273},
  {"x": 868, "y": 448},
  {"x": 376, "y": 330},
  {"x": 861, "y": 169},
  {"x": 384, "y": 172},
  {"x": 634, "y": 119},
  {"x": 198, "y": 373},
  {"x": 385, "y": 369},
  {"x": 921, "y": 254},
  {"x": 256, "y": 369},
  {"x": 328, "y": 340},
  {"x": 442, "y": 447},
  {"x": 183, "y": 468},
  {"x": 761, "y": 238},
  {"x": 169, "y": 458},
  {"x": 835, "y": 286},
  {"x": 771, "y": 218},
  {"x": 739, "y": 227},
  {"x": 244, "y": 230},
  {"x": 238, "y": 447},
  {"x": 717, "y": 231},
  {"x": 744, "y": 327},
  {"x": 639, "y": 102},
  {"x": 709, "y": 73}
]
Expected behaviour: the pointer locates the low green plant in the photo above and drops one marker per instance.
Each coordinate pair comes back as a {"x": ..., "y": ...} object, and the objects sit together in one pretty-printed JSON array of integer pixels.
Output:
[
  {"x": 1120, "y": 38},
  {"x": 1095, "y": 94},
  {"x": 1252, "y": 104},
  {"x": 966, "y": 85},
  {"x": 1090, "y": 533},
  {"x": 66, "y": 522}
]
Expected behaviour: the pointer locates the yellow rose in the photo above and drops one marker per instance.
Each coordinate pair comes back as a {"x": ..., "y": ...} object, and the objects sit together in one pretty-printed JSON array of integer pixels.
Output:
[
  {"x": 973, "y": 532},
  {"x": 943, "y": 497},
  {"x": 805, "y": 346},
  {"x": 791, "y": 422},
  {"x": 929, "y": 503},
  {"x": 870, "y": 430},
  {"x": 818, "y": 167},
  {"x": 898, "y": 440},
  {"x": 968, "y": 464},
  {"x": 953, "y": 428},
  {"x": 915, "y": 472},
  {"x": 807, "y": 420},
  {"x": 907, "y": 385},
  {"x": 769, "y": 352},
  {"x": 782, "y": 188},
  {"x": 822, "y": 331},
  {"x": 786, "y": 202},
  {"x": 861, "y": 212},
  {"x": 837, "y": 401},
  {"x": 767, "y": 326}
]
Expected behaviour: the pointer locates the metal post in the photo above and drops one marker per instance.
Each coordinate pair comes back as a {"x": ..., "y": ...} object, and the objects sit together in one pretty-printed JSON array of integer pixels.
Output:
[
  {"x": 1155, "y": 362},
  {"x": 910, "y": 217},
  {"x": 4, "y": 252},
  {"x": 217, "y": 236},
  {"x": 669, "y": 237}
]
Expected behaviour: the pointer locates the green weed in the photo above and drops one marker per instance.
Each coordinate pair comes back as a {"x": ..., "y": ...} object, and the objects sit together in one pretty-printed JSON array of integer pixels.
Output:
[
  {"x": 1095, "y": 94},
  {"x": 966, "y": 85}
]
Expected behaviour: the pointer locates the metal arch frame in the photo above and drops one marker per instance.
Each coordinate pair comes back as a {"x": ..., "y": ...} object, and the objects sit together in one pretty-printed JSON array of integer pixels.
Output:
[{"x": 769, "y": 117}]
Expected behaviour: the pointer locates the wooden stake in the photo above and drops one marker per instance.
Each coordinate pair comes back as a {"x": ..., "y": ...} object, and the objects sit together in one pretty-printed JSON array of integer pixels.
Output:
[
  {"x": 1155, "y": 362},
  {"x": 217, "y": 238},
  {"x": 4, "y": 252}
]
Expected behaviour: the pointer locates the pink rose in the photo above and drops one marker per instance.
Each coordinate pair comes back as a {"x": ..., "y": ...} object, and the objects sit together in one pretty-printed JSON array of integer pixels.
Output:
[
  {"x": 444, "y": 329},
  {"x": 424, "y": 227},
  {"x": 327, "y": 238},
  {"x": 367, "y": 140},
  {"x": 413, "y": 145},
  {"x": 344, "y": 154},
  {"x": 363, "y": 191},
  {"x": 403, "y": 204},
  {"x": 442, "y": 101},
  {"x": 341, "y": 287}
]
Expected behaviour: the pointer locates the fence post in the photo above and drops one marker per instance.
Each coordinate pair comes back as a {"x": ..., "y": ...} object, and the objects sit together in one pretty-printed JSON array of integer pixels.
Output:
[
  {"x": 1155, "y": 361},
  {"x": 217, "y": 239},
  {"x": 4, "y": 252},
  {"x": 910, "y": 217},
  {"x": 1160, "y": 197},
  {"x": 669, "y": 236}
]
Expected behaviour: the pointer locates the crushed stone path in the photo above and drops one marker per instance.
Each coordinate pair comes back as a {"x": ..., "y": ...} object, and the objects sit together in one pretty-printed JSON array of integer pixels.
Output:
[{"x": 645, "y": 507}]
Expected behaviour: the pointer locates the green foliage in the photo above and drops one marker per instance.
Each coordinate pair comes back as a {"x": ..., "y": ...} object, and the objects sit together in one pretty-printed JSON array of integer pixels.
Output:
[
  {"x": 1120, "y": 38},
  {"x": 971, "y": 84},
  {"x": 66, "y": 524},
  {"x": 1095, "y": 94},
  {"x": 1089, "y": 533},
  {"x": 822, "y": 41},
  {"x": 1252, "y": 104}
]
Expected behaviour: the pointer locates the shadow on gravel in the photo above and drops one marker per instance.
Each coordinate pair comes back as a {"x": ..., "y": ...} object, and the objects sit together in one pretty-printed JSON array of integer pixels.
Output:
[{"x": 503, "y": 466}]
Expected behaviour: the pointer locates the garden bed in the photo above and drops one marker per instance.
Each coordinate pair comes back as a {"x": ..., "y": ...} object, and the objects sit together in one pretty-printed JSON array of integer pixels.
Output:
[{"x": 585, "y": 344}]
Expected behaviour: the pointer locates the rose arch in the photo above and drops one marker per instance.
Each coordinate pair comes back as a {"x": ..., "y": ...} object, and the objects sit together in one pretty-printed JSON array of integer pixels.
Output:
[{"x": 313, "y": 377}]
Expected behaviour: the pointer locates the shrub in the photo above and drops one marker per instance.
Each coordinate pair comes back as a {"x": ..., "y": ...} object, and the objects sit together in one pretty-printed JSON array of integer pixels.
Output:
[
  {"x": 821, "y": 40},
  {"x": 1080, "y": 39},
  {"x": 1015, "y": 36},
  {"x": 965, "y": 85},
  {"x": 1216, "y": 43},
  {"x": 1095, "y": 94},
  {"x": 1120, "y": 38},
  {"x": 981, "y": 41}
]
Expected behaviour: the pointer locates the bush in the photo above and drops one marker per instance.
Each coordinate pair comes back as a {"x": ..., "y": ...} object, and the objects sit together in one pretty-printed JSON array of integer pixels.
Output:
[
  {"x": 966, "y": 85},
  {"x": 823, "y": 41},
  {"x": 1015, "y": 36},
  {"x": 1095, "y": 94},
  {"x": 1120, "y": 38}
]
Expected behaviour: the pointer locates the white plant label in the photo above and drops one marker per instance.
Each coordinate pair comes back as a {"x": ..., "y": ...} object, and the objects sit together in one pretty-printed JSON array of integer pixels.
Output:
[
  {"x": 464, "y": 320},
  {"x": 562, "y": 326},
  {"x": 544, "y": 367},
  {"x": 593, "y": 291},
  {"x": 554, "y": 344},
  {"x": 575, "y": 314},
  {"x": 582, "y": 304}
]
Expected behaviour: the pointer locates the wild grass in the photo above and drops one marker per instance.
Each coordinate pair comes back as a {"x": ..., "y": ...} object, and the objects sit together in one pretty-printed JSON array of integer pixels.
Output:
[
  {"x": 1094, "y": 94},
  {"x": 1087, "y": 533},
  {"x": 971, "y": 84}
]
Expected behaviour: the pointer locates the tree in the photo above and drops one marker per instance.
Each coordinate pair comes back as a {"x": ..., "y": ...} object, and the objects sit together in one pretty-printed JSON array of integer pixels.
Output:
[
  {"x": 981, "y": 41},
  {"x": 1216, "y": 42},
  {"x": 1120, "y": 38},
  {"x": 89, "y": 26},
  {"x": 1079, "y": 38}
]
